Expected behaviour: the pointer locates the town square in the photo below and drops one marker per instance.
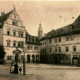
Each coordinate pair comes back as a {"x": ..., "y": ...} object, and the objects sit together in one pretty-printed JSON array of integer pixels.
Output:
[{"x": 39, "y": 40}]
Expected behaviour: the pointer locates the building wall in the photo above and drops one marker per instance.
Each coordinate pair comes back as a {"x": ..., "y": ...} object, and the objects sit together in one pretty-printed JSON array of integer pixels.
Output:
[
  {"x": 19, "y": 36},
  {"x": 31, "y": 50},
  {"x": 69, "y": 41}
]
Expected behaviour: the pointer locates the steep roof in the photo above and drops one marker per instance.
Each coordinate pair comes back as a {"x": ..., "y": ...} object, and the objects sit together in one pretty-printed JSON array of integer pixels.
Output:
[
  {"x": 32, "y": 39},
  {"x": 4, "y": 18},
  {"x": 73, "y": 28}
]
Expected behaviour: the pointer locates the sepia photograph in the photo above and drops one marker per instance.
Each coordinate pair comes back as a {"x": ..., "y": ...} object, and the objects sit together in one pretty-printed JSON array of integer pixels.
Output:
[{"x": 39, "y": 40}]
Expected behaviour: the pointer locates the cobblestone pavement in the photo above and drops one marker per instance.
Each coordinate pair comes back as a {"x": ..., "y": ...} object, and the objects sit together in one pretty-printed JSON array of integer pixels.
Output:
[{"x": 42, "y": 72}]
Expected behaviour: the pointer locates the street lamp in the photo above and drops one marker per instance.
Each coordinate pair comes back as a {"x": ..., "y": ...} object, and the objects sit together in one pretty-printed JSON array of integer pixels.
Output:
[{"x": 24, "y": 66}]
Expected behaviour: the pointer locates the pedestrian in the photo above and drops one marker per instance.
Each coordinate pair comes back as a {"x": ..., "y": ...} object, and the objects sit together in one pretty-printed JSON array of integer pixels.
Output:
[
  {"x": 20, "y": 69},
  {"x": 16, "y": 68}
]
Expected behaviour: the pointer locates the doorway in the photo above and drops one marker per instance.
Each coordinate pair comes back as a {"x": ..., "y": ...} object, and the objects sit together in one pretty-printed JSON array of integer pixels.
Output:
[
  {"x": 55, "y": 60},
  {"x": 28, "y": 58},
  {"x": 33, "y": 58},
  {"x": 16, "y": 58}
]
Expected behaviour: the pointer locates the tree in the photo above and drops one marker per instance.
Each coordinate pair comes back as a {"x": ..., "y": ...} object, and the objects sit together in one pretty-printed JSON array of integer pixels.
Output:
[{"x": 2, "y": 53}]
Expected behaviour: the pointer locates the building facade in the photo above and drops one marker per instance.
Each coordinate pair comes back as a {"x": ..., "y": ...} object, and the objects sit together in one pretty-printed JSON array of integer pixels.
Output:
[
  {"x": 12, "y": 35},
  {"x": 16, "y": 40},
  {"x": 62, "y": 45},
  {"x": 32, "y": 49}
]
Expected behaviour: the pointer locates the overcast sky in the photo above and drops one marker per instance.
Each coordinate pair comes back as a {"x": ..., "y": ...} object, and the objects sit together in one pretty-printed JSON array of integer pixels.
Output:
[{"x": 51, "y": 14}]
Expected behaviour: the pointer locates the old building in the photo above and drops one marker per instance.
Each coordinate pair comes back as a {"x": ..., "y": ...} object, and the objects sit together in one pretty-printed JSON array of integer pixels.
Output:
[
  {"x": 62, "y": 45},
  {"x": 32, "y": 49},
  {"x": 16, "y": 40},
  {"x": 12, "y": 35}
]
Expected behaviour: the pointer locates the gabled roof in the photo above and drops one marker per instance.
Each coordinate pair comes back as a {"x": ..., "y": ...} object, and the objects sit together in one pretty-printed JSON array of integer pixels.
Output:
[
  {"x": 73, "y": 28},
  {"x": 4, "y": 18},
  {"x": 32, "y": 39}
]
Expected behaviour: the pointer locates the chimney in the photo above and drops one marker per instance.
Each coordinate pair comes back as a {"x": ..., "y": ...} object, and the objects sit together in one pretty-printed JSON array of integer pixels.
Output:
[{"x": 2, "y": 13}]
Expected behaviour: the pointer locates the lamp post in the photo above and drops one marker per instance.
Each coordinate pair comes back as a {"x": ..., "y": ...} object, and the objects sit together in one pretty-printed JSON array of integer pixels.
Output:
[{"x": 24, "y": 66}]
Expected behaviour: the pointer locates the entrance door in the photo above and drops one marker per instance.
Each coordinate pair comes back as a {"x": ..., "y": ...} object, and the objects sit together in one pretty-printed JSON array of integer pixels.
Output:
[
  {"x": 28, "y": 58},
  {"x": 33, "y": 58},
  {"x": 55, "y": 60},
  {"x": 75, "y": 61},
  {"x": 16, "y": 58}
]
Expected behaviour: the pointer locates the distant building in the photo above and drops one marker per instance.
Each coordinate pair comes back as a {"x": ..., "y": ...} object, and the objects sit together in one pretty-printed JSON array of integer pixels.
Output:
[
  {"x": 62, "y": 46},
  {"x": 32, "y": 49},
  {"x": 40, "y": 32}
]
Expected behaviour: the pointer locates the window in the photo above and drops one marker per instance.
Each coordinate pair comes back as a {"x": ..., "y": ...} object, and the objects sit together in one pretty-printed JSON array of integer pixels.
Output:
[
  {"x": 59, "y": 49},
  {"x": 50, "y": 50},
  {"x": 67, "y": 49},
  {"x": 8, "y": 43},
  {"x": 18, "y": 44},
  {"x": 8, "y": 32},
  {"x": 9, "y": 57},
  {"x": 14, "y": 23},
  {"x": 14, "y": 44},
  {"x": 34, "y": 48},
  {"x": 14, "y": 33},
  {"x": 67, "y": 38},
  {"x": 50, "y": 41},
  {"x": 74, "y": 48},
  {"x": 59, "y": 39},
  {"x": 34, "y": 39},
  {"x": 28, "y": 47},
  {"x": 31, "y": 39},
  {"x": 55, "y": 49},
  {"x": 55, "y": 40},
  {"x": 27, "y": 38},
  {"x": 21, "y": 34},
  {"x": 72, "y": 38}
]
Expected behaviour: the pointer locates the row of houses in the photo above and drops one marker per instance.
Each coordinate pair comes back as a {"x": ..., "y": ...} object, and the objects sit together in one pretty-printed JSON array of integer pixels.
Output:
[
  {"x": 16, "y": 40},
  {"x": 60, "y": 46}
]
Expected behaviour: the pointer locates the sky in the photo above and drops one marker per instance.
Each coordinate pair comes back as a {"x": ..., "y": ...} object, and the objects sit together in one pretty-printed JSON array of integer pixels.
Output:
[{"x": 51, "y": 14}]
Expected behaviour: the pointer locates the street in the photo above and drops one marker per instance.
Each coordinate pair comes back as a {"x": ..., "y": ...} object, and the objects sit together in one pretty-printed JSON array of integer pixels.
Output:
[{"x": 42, "y": 72}]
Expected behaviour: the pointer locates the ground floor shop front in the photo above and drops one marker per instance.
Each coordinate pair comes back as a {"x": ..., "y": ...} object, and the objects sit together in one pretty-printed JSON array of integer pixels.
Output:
[
  {"x": 61, "y": 59},
  {"x": 67, "y": 59},
  {"x": 17, "y": 55}
]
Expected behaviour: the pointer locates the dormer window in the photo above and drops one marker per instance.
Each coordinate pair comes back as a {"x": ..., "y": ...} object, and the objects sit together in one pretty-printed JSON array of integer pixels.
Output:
[
  {"x": 27, "y": 38},
  {"x": 14, "y": 23},
  {"x": 34, "y": 39},
  {"x": 31, "y": 39}
]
